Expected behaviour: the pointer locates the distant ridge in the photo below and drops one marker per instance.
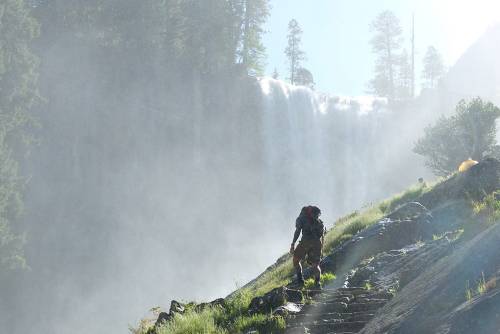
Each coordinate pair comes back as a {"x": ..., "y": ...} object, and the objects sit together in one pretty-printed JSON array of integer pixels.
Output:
[{"x": 477, "y": 71}]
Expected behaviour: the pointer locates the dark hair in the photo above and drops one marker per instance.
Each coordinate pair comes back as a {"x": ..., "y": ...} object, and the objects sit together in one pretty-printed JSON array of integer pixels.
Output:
[{"x": 315, "y": 210}]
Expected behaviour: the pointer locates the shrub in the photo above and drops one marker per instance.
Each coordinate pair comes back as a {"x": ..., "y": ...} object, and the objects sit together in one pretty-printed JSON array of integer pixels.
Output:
[{"x": 470, "y": 133}]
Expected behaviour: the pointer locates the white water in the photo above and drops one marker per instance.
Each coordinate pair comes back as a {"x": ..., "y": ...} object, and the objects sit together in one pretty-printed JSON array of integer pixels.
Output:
[{"x": 336, "y": 152}]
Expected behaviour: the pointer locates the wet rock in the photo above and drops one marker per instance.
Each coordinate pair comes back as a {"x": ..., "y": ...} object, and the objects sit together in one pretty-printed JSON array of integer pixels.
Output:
[
  {"x": 287, "y": 309},
  {"x": 163, "y": 317},
  {"x": 268, "y": 302},
  {"x": 294, "y": 296},
  {"x": 219, "y": 302},
  {"x": 384, "y": 236},
  {"x": 273, "y": 299},
  {"x": 479, "y": 316},
  {"x": 410, "y": 210}
]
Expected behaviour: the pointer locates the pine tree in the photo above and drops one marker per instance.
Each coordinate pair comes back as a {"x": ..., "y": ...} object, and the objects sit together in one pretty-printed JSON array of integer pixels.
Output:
[
  {"x": 433, "y": 67},
  {"x": 252, "y": 51},
  {"x": 404, "y": 77},
  {"x": 386, "y": 44},
  {"x": 293, "y": 51}
]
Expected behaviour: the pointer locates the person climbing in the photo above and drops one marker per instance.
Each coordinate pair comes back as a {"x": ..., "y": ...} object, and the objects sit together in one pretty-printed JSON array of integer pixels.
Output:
[{"x": 310, "y": 245}]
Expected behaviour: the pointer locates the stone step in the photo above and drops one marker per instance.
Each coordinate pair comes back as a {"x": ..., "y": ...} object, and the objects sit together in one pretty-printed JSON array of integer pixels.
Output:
[
  {"x": 320, "y": 312},
  {"x": 382, "y": 295},
  {"x": 315, "y": 321},
  {"x": 321, "y": 328},
  {"x": 334, "y": 299},
  {"x": 354, "y": 290},
  {"x": 325, "y": 307},
  {"x": 339, "y": 317},
  {"x": 369, "y": 300},
  {"x": 357, "y": 307}
]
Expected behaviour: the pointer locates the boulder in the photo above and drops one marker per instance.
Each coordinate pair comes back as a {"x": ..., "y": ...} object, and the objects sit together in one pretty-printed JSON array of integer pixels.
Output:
[
  {"x": 388, "y": 234},
  {"x": 176, "y": 307},
  {"x": 410, "y": 210},
  {"x": 266, "y": 303},
  {"x": 219, "y": 302},
  {"x": 163, "y": 317},
  {"x": 274, "y": 299}
]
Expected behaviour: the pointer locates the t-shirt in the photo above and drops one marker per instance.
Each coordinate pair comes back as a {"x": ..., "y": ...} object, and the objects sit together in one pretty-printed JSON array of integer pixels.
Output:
[{"x": 311, "y": 228}]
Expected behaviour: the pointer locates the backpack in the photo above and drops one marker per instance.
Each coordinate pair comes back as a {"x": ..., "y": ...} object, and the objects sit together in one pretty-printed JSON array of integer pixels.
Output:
[{"x": 311, "y": 228}]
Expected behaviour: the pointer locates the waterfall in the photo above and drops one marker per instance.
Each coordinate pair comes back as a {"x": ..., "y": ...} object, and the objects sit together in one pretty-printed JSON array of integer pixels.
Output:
[{"x": 335, "y": 152}]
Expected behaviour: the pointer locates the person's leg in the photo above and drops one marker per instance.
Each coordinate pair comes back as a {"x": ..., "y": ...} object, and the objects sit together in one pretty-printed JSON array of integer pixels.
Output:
[
  {"x": 316, "y": 258},
  {"x": 317, "y": 273},
  {"x": 298, "y": 255},
  {"x": 298, "y": 268}
]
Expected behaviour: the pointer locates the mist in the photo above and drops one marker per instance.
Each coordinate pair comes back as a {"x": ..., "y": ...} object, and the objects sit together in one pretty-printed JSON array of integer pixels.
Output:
[{"x": 163, "y": 172}]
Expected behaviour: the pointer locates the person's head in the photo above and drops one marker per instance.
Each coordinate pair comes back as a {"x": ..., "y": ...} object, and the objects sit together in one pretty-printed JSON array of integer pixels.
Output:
[{"x": 315, "y": 212}]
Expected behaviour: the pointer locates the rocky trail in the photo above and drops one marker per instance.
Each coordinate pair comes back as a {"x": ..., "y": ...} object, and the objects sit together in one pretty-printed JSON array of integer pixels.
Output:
[{"x": 343, "y": 311}]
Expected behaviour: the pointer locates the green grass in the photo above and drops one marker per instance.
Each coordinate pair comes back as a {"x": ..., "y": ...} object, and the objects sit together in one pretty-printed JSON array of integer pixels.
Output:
[
  {"x": 489, "y": 208},
  {"x": 454, "y": 235},
  {"x": 194, "y": 323},
  {"x": 345, "y": 228},
  {"x": 262, "y": 323},
  {"x": 481, "y": 285},
  {"x": 468, "y": 291},
  {"x": 234, "y": 318},
  {"x": 324, "y": 279},
  {"x": 409, "y": 195},
  {"x": 327, "y": 277}
]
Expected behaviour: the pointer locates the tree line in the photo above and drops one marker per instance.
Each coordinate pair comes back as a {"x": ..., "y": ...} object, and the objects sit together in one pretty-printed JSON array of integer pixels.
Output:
[
  {"x": 209, "y": 35},
  {"x": 394, "y": 73},
  {"x": 175, "y": 45},
  {"x": 394, "y": 67}
]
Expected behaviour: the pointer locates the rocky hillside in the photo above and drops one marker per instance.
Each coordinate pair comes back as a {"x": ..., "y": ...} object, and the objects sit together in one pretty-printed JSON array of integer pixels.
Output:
[{"x": 423, "y": 262}]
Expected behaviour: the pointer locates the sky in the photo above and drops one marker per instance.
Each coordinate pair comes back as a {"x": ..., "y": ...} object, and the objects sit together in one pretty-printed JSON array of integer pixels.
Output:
[{"x": 336, "y": 35}]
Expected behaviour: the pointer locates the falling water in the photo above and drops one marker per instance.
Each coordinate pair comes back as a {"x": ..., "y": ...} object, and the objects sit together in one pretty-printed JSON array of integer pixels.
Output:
[{"x": 336, "y": 152}]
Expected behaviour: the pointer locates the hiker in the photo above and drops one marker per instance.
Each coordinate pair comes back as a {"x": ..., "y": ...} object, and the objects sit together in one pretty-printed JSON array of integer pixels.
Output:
[{"x": 311, "y": 244}]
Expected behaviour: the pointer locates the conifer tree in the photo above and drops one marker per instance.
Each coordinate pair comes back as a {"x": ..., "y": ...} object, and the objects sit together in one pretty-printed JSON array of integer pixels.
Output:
[
  {"x": 386, "y": 44},
  {"x": 433, "y": 67},
  {"x": 293, "y": 51}
]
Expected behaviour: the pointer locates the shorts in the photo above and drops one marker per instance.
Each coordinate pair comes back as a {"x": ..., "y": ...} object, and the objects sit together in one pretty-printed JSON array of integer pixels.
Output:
[{"x": 310, "y": 249}]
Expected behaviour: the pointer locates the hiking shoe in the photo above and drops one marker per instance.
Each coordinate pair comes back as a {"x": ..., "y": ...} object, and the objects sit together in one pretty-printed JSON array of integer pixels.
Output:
[
  {"x": 300, "y": 282},
  {"x": 317, "y": 286}
]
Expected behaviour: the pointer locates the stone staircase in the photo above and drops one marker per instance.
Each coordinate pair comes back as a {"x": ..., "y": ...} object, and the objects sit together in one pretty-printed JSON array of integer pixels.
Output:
[{"x": 339, "y": 311}]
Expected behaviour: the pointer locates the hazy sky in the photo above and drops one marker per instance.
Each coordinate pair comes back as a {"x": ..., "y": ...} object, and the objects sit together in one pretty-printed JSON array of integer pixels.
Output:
[{"x": 337, "y": 36}]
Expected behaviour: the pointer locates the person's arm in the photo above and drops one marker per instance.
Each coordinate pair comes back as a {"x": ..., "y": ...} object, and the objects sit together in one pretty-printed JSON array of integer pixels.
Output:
[
  {"x": 295, "y": 237},
  {"x": 323, "y": 240}
]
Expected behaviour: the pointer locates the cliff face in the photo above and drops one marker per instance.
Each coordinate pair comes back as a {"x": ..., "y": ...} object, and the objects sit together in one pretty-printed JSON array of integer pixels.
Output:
[{"x": 477, "y": 71}]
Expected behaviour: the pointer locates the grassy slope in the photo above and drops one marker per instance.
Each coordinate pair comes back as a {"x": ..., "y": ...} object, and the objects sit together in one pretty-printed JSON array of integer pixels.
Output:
[{"x": 235, "y": 319}]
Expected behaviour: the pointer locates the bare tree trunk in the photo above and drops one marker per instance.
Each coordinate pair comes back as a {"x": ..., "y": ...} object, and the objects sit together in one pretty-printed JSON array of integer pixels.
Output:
[{"x": 245, "y": 34}]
